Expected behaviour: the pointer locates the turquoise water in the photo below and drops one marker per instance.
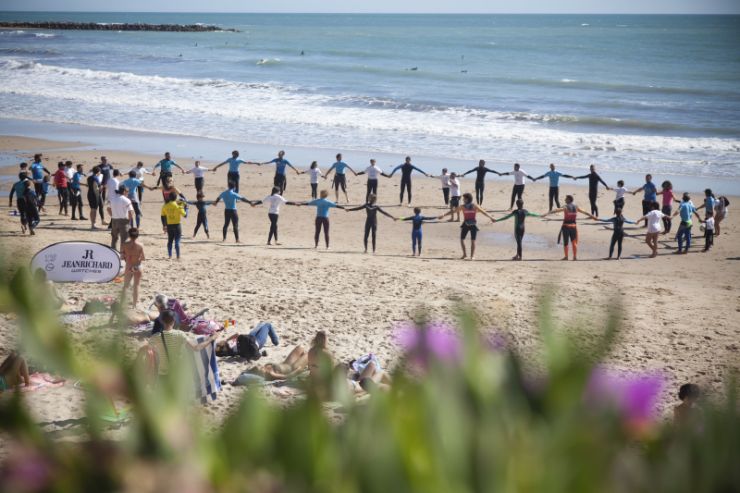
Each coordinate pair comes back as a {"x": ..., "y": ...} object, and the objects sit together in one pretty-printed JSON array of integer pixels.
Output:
[{"x": 630, "y": 93}]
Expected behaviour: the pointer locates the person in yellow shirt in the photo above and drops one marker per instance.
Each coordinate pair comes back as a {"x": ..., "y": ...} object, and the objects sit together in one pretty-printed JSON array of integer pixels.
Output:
[{"x": 172, "y": 212}]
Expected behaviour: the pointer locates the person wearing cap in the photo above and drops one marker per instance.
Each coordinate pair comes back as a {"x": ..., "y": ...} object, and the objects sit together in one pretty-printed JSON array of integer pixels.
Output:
[{"x": 121, "y": 212}]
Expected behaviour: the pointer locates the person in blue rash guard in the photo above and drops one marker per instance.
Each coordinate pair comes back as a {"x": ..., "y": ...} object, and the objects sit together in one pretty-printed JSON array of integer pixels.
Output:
[
  {"x": 406, "y": 169},
  {"x": 18, "y": 189},
  {"x": 322, "y": 205},
  {"x": 233, "y": 175},
  {"x": 340, "y": 178},
  {"x": 165, "y": 166},
  {"x": 230, "y": 198},
  {"x": 416, "y": 221},
  {"x": 281, "y": 180},
  {"x": 651, "y": 194},
  {"x": 480, "y": 179},
  {"x": 37, "y": 177},
  {"x": 685, "y": 210},
  {"x": 554, "y": 177},
  {"x": 133, "y": 185}
]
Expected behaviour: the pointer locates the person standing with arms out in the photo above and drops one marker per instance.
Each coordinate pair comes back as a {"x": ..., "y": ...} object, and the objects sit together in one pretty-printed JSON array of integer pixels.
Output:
[
  {"x": 274, "y": 201},
  {"x": 133, "y": 255},
  {"x": 685, "y": 210},
  {"x": 554, "y": 193},
  {"x": 520, "y": 177},
  {"x": 455, "y": 197},
  {"x": 75, "y": 192},
  {"x": 340, "y": 178},
  {"x": 133, "y": 184},
  {"x": 201, "y": 206},
  {"x": 172, "y": 213},
  {"x": 406, "y": 169},
  {"x": 371, "y": 221},
  {"x": 444, "y": 178},
  {"x": 416, "y": 232},
  {"x": 569, "y": 229},
  {"x": 322, "y": 205},
  {"x": 654, "y": 221},
  {"x": 519, "y": 215},
  {"x": 281, "y": 180},
  {"x": 140, "y": 172},
  {"x": 37, "y": 175},
  {"x": 469, "y": 225},
  {"x": 593, "y": 188},
  {"x": 233, "y": 175},
  {"x": 650, "y": 196},
  {"x": 230, "y": 198},
  {"x": 94, "y": 200},
  {"x": 165, "y": 166},
  {"x": 373, "y": 172},
  {"x": 69, "y": 171},
  {"x": 617, "y": 232},
  {"x": 61, "y": 184},
  {"x": 122, "y": 213},
  {"x": 315, "y": 174},
  {"x": 197, "y": 171},
  {"x": 619, "y": 194},
  {"x": 105, "y": 174},
  {"x": 18, "y": 189},
  {"x": 668, "y": 199},
  {"x": 480, "y": 179}
]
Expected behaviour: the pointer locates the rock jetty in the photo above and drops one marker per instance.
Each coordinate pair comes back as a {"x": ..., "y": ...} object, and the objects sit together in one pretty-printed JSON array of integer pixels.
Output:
[{"x": 101, "y": 26}]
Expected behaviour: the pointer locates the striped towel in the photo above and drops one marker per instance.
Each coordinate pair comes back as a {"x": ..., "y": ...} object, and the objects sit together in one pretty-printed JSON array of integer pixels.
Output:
[{"x": 207, "y": 381}]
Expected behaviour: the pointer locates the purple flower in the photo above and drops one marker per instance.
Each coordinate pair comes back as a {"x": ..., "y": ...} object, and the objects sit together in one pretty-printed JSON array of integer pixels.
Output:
[
  {"x": 432, "y": 341},
  {"x": 634, "y": 395}
]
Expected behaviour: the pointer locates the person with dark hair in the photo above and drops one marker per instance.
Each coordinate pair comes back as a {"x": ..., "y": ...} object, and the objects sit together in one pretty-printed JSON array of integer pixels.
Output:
[
  {"x": 168, "y": 187},
  {"x": 171, "y": 344},
  {"x": 230, "y": 198},
  {"x": 165, "y": 166},
  {"x": 132, "y": 253},
  {"x": 619, "y": 194},
  {"x": 406, "y": 169},
  {"x": 121, "y": 212},
  {"x": 688, "y": 412},
  {"x": 281, "y": 180},
  {"x": 233, "y": 175},
  {"x": 314, "y": 175},
  {"x": 554, "y": 192},
  {"x": 37, "y": 176},
  {"x": 416, "y": 233},
  {"x": 654, "y": 222},
  {"x": 720, "y": 212},
  {"x": 468, "y": 209},
  {"x": 593, "y": 188},
  {"x": 444, "y": 178},
  {"x": 708, "y": 231},
  {"x": 650, "y": 196},
  {"x": 18, "y": 189},
  {"x": 685, "y": 210},
  {"x": 519, "y": 181},
  {"x": 75, "y": 192},
  {"x": 61, "y": 183},
  {"x": 340, "y": 177},
  {"x": 322, "y": 205},
  {"x": 569, "y": 228},
  {"x": 13, "y": 372},
  {"x": 201, "y": 219},
  {"x": 519, "y": 215},
  {"x": 133, "y": 186},
  {"x": 372, "y": 172},
  {"x": 94, "y": 200},
  {"x": 371, "y": 221},
  {"x": 105, "y": 175},
  {"x": 274, "y": 201},
  {"x": 172, "y": 213},
  {"x": 667, "y": 208},
  {"x": 140, "y": 171},
  {"x": 198, "y": 173},
  {"x": 480, "y": 179},
  {"x": 31, "y": 204},
  {"x": 617, "y": 232}
]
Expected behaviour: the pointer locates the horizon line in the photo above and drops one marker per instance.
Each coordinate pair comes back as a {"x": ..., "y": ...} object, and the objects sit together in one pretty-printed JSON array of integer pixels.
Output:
[{"x": 359, "y": 13}]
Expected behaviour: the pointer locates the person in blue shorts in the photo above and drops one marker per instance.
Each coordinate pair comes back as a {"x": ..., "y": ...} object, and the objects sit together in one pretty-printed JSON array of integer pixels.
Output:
[
  {"x": 230, "y": 198},
  {"x": 234, "y": 162},
  {"x": 416, "y": 221},
  {"x": 340, "y": 178},
  {"x": 280, "y": 180},
  {"x": 554, "y": 178}
]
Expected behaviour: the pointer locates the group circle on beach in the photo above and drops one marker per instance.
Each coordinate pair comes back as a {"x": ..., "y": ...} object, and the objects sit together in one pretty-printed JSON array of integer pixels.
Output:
[{"x": 120, "y": 195}]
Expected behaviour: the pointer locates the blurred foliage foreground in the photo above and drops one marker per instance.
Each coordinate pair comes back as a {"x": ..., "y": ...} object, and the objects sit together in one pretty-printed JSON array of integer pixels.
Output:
[{"x": 462, "y": 415}]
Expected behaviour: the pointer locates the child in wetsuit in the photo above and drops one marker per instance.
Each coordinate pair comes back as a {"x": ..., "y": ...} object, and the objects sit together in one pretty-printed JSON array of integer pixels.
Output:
[
  {"x": 618, "y": 232},
  {"x": 417, "y": 220},
  {"x": 520, "y": 214},
  {"x": 202, "y": 218}
]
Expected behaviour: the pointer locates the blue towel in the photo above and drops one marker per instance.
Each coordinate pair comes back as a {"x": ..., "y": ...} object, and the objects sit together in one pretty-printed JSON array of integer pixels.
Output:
[{"x": 207, "y": 381}]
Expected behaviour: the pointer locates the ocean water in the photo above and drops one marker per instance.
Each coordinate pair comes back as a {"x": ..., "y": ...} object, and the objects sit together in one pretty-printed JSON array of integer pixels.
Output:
[{"x": 629, "y": 93}]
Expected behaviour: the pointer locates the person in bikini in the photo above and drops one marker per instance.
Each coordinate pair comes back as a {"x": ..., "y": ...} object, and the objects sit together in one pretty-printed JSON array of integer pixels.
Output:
[{"x": 133, "y": 254}]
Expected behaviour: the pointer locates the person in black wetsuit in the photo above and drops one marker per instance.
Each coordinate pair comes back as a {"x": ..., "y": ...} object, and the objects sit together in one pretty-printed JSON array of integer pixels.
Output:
[
  {"x": 617, "y": 232},
  {"x": 519, "y": 215},
  {"x": 371, "y": 222},
  {"x": 593, "y": 188},
  {"x": 480, "y": 179},
  {"x": 406, "y": 169}
]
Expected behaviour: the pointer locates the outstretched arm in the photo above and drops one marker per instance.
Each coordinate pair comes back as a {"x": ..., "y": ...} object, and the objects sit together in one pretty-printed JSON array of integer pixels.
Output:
[
  {"x": 561, "y": 209},
  {"x": 638, "y": 190},
  {"x": 333, "y": 166},
  {"x": 385, "y": 213},
  {"x": 507, "y": 216},
  {"x": 178, "y": 167},
  {"x": 448, "y": 213},
  {"x": 587, "y": 214},
  {"x": 419, "y": 170},
  {"x": 482, "y": 211},
  {"x": 357, "y": 208},
  {"x": 218, "y": 165},
  {"x": 470, "y": 171},
  {"x": 293, "y": 168},
  {"x": 395, "y": 169}
]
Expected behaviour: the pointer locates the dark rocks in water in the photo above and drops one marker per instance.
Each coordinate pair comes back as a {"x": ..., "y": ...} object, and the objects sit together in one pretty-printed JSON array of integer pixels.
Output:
[{"x": 95, "y": 26}]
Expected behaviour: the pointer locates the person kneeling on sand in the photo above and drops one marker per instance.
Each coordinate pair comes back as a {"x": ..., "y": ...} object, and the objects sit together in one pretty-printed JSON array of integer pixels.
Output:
[{"x": 13, "y": 371}]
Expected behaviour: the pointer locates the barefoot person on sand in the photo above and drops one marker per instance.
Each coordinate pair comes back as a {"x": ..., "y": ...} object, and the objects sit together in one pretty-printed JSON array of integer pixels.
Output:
[
  {"x": 94, "y": 200},
  {"x": 314, "y": 173},
  {"x": 654, "y": 221},
  {"x": 274, "y": 201},
  {"x": 554, "y": 192},
  {"x": 519, "y": 215},
  {"x": 617, "y": 232},
  {"x": 281, "y": 180},
  {"x": 685, "y": 210},
  {"x": 569, "y": 229},
  {"x": 201, "y": 206},
  {"x": 406, "y": 169},
  {"x": 468, "y": 210},
  {"x": 133, "y": 254},
  {"x": 371, "y": 221},
  {"x": 233, "y": 175},
  {"x": 322, "y": 216},
  {"x": 416, "y": 233},
  {"x": 593, "y": 187},
  {"x": 230, "y": 198},
  {"x": 340, "y": 177},
  {"x": 172, "y": 213},
  {"x": 372, "y": 172},
  {"x": 480, "y": 179},
  {"x": 520, "y": 179},
  {"x": 18, "y": 189},
  {"x": 198, "y": 173},
  {"x": 165, "y": 166}
]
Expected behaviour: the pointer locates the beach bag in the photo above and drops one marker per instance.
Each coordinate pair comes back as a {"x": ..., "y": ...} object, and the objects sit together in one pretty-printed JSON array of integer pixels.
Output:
[{"x": 247, "y": 347}]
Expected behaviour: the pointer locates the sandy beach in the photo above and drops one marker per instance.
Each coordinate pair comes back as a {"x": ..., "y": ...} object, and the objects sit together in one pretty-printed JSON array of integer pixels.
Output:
[{"x": 681, "y": 313}]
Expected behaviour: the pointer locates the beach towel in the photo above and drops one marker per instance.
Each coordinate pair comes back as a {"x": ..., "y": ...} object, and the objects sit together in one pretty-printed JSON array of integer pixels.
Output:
[
  {"x": 207, "y": 381},
  {"x": 41, "y": 381}
]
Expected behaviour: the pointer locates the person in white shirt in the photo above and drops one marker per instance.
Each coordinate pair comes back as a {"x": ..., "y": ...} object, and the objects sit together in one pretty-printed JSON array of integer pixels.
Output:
[
  {"x": 197, "y": 171},
  {"x": 121, "y": 212},
  {"x": 708, "y": 231},
  {"x": 275, "y": 200},
  {"x": 444, "y": 178},
  {"x": 654, "y": 221},
  {"x": 314, "y": 173},
  {"x": 455, "y": 195},
  {"x": 519, "y": 181},
  {"x": 619, "y": 196},
  {"x": 372, "y": 172}
]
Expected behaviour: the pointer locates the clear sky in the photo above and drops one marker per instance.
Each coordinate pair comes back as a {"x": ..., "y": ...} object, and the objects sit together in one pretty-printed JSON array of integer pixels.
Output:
[{"x": 380, "y": 6}]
